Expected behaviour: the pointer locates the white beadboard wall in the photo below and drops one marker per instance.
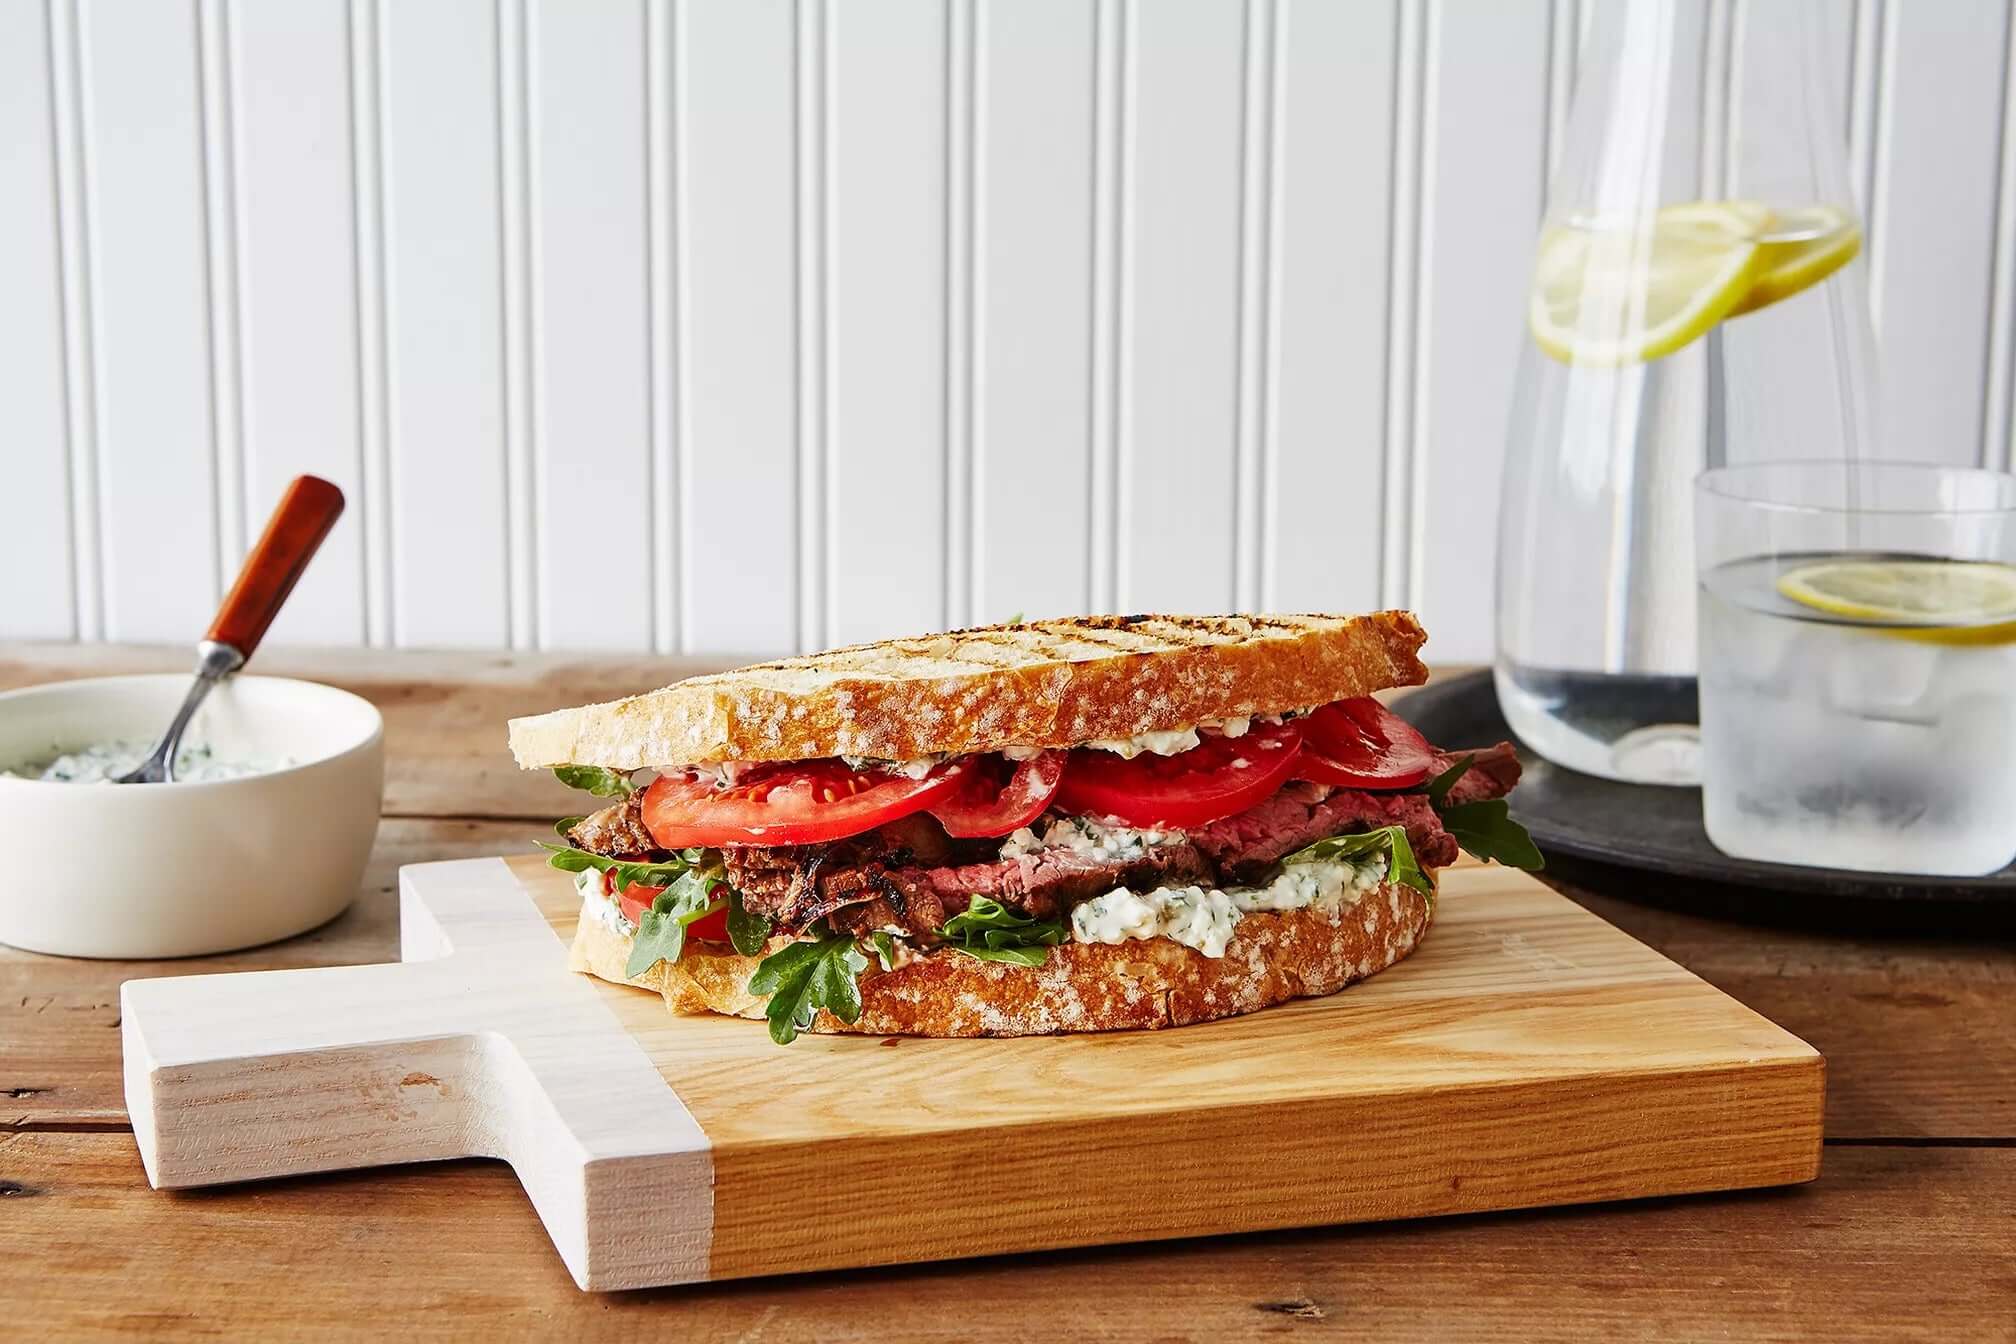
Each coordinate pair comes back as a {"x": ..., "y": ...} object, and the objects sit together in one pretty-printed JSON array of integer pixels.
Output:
[{"x": 739, "y": 326}]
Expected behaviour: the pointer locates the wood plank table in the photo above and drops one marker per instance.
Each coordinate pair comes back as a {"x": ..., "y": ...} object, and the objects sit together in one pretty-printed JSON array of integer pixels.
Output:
[{"x": 1910, "y": 1232}]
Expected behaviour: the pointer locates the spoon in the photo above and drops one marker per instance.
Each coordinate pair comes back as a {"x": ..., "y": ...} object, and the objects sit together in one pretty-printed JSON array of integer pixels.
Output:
[{"x": 306, "y": 511}]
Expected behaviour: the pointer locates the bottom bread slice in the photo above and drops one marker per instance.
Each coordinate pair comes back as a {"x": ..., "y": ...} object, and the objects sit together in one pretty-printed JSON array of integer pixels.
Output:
[{"x": 1152, "y": 982}]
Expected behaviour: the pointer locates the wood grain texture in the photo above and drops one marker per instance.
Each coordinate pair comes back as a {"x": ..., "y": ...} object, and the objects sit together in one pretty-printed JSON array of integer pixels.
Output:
[
  {"x": 1488, "y": 1071},
  {"x": 1889, "y": 1244}
]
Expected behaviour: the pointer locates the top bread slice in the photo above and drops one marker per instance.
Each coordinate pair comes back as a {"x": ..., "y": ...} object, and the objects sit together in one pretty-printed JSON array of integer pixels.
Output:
[{"x": 1058, "y": 683}]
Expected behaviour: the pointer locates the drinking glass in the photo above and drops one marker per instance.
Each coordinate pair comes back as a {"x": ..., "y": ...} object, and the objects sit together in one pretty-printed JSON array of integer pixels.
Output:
[
  {"x": 1858, "y": 664},
  {"x": 1697, "y": 300}
]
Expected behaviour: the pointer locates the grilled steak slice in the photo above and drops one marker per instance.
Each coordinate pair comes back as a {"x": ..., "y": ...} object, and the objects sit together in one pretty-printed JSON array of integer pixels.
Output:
[
  {"x": 862, "y": 894},
  {"x": 1492, "y": 773},
  {"x": 1245, "y": 845},
  {"x": 616, "y": 832}
]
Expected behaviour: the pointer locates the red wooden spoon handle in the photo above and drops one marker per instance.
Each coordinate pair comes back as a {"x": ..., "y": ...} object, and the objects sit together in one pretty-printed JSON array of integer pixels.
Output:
[{"x": 306, "y": 512}]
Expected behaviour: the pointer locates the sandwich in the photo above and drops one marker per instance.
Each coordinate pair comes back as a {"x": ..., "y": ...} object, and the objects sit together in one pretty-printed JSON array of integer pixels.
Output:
[{"x": 1050, "y": 826}]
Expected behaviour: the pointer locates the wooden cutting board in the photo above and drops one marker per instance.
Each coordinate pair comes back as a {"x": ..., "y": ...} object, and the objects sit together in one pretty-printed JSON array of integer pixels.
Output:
[{"x": 1526, "y": 1054}]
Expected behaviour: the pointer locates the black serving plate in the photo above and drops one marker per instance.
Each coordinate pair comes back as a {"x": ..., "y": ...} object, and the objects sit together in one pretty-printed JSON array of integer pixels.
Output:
[{"x": 1646, "y": 840}]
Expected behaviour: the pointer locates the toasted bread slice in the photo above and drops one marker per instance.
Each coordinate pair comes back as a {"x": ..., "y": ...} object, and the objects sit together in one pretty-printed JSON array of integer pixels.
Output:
[
  {"x": 1153, "y": 982},
  {"x": 1055, "y": 683}
]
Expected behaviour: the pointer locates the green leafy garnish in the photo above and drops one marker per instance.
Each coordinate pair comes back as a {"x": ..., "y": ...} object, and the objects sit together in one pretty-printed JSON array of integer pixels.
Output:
[
  {"x": 805, "y": 977},
  {"x": 1486, "y": 829},
  {"x": 885, "y": 948},
  {"x": 1391, "y": 841},
  {"x": 746, "y": 932},
  {"x": 596, "y": 780},
  {"x": 1438, "y": 787},
  {"x": 990, "y": 931},
  {"x": 661, "y": 930},
  {"x": 571, "y": 860}
]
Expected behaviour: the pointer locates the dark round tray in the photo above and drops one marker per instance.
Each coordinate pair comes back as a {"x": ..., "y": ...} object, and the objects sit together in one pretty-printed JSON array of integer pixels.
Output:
[{"x": 1613, "y": 836}]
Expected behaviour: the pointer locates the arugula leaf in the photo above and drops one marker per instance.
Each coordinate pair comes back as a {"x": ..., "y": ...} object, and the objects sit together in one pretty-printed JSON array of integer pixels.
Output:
[
  {"x": 885, "y": 948},
  {"x": 1438, "y": 787},
  {"x": 990, "y": 931},
  {"x": 746, "y": 932},
  {"x": 661, "y": 930},
  {"x": 596, "y": 780},
  {"x": 805, "y": 977},
  {"x": 1401, "y": 865},
  {"x": 1486, "y": 829}
]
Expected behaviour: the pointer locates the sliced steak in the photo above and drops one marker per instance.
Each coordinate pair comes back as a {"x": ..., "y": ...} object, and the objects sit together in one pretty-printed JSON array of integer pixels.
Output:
[
  {"x": 1492, "y": 773},
  {"x": 1245, "y": 845},
  {"x": 616, "y": 832},
  {"x": 863, "y": 894}
]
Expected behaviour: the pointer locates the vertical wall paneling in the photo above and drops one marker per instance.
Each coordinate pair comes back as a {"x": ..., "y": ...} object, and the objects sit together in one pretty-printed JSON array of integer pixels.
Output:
[
  {"x": 1325, "y": 442},
  {"x": 296, "y": 291},
  {"x": 1179, "y": 361},
  {"x": 523, "y": 528},
  {"x": 1997, "y": 450},
  {"x": 1032, "y": 277},
  {"x": 959, "y": 336},
  {"x": 38, "y": 590},
  {"x": 813, "y": 59},
  {"x": 591, "y": 321},
  {"x": 221, "y": 241},
  {"x": 1110, "y": 98},
  {"x": 69, "y": 184},
  {"x": 736, "y": 342},
  {"x": 662, "y": 283},
  {"x": 1258, "y": 199},
  {"x": 367, "y": 179},
  {"x": 885, "y": 326},
  {"x": 1938, "y": 146},
  {"x": 142, "y": 106},
  {"x": 1483, "y": 132},
  {"x": 437, "y": 77},
  {"x": 1403, "y": 302}
]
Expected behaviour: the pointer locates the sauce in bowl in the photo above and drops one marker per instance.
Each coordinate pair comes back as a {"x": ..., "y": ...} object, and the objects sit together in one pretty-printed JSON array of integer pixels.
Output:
[{"x": 103, "y": 762}]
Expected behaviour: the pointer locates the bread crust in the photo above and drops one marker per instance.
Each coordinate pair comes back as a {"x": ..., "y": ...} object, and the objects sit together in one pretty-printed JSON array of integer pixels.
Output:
[
  {"x": 1041, "y": 683},
  {"x": 1153, "y": 982}
]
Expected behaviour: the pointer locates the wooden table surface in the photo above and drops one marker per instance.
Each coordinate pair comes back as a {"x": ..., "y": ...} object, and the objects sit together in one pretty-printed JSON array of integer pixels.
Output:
[{"x": 1910, "y": 1232}]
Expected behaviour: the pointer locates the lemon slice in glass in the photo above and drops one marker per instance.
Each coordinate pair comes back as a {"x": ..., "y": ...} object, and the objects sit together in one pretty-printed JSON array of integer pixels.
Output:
[
  {"x": 1803, "y": 247},
  {"x": 1621, "y": 292},
  {"x": 1941, "y": 601}
]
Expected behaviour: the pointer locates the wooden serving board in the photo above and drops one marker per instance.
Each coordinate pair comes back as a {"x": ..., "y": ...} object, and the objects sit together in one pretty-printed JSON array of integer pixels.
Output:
[{"x": 1526, "y": 1054}]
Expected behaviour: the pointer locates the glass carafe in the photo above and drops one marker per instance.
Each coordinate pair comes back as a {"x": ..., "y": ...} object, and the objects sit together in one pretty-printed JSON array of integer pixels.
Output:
[{"x": 1697, "y": 301}]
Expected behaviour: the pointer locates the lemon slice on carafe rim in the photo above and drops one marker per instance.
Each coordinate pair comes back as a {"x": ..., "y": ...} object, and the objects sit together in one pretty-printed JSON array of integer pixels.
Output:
[
  {"x": 1940, "y": 601},
  {"x": 1817, "y": 240},
  {"x": 1622, "y": 293}
]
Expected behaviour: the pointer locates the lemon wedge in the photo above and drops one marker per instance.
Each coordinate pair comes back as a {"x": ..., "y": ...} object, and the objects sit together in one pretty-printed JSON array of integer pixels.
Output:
[
  {"x": 1630, "y": 291},
  {"x": 1940, "y": 601},
  {"x": 1824, "y": 238}
]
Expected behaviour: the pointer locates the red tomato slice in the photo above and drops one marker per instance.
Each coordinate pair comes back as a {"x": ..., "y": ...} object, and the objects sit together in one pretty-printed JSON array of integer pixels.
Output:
[
  {"x": 790, "y": 803},
  {"x": 995, "y": 800},
  {"x": 1214, "y": 779},
  {"x": 635, "y": 899},
  {"x": 1361, "y": 744}
]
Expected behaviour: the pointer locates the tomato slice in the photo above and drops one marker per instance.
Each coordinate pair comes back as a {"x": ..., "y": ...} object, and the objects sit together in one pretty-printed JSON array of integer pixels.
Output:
[
  {"x": 635, "y": 899},
  {"x": 789, "y": 803},
  {"x": 995, "y": 799},
  {"x": 1361, "y": 744},
  {"x": 1219, "y": 776}
]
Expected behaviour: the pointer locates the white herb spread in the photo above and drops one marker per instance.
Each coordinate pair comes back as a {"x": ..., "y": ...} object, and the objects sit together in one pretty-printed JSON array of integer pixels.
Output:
[
  {"x": 1086, "y": 836},
  {"x": 103, "y": 762},
  {"x": 1205, "y": 917},
  {"x": 598, "y": 907}
]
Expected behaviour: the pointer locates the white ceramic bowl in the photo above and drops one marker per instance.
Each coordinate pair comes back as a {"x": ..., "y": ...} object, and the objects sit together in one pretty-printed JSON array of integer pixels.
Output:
[{"x": 176, "y": 870}]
